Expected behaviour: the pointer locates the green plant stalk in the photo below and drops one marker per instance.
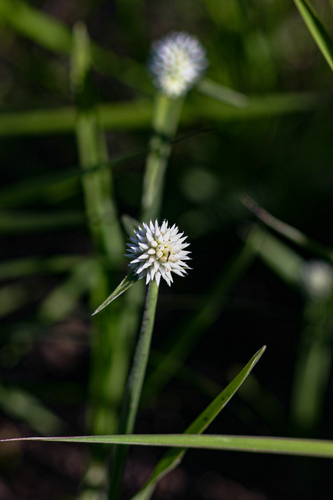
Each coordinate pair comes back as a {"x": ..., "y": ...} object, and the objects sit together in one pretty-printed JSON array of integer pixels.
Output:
[
  {"x": 312, "y": 369},
  {"x": 166, "y": 114},
  {"x": 110, "y": 349},
  {"x": 134, "y": 389}
]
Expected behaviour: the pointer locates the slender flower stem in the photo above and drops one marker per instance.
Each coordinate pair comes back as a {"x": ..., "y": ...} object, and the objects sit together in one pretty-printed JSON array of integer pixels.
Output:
[
  {"x": 134, "y": 388},
  {"x": 166, "y": 114}
]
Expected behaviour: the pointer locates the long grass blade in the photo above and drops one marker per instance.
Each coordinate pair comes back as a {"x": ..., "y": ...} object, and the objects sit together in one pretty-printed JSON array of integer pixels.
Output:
[
  {"x": 136, "y": 115},
  {"x": 173, "y": 457},
  {"x": 317, "y": 29},
  {"x": 281, "y": 446}
]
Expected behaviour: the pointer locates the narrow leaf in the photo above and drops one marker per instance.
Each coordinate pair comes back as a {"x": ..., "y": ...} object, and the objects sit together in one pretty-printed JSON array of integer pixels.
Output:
[
  {"x": 129, "y": 223},
  {"x": 317, "y": 29},
  {"x": 124, "y": 285},
  {"x": 282, "y": 446},
  {"x": 173, "y": 457},
  {"x": 289, "y": 232},
  {"x": 222, "y": 93}
]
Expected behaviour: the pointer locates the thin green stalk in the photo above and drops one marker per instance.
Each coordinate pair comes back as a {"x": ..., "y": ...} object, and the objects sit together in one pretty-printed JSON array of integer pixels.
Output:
[
  {"x": 134, "y": 388},
  {"x": 313, "y": 366},
  {"x": 166, "y": 114}
]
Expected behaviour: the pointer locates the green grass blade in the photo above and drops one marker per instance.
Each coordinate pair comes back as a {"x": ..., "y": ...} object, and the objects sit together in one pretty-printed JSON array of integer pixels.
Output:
[
  {"x": 55, "y": 36},
  {"x": 279, "y": 257},
  {"x": 62, "y": 300},
  {"x": 281, "y": 446},
  {"x": 317, "y": 29},
  {"x": 173, "y": 457},
  {"x": 124, "y": 285},
  {"x": 20, "y": 404},
  {"x": 137, "y": 115},
  {"x": 26, "y": 222},
  {"x": 17, "y": 268},
  {"x": 222, "y": 93},
  {"x": 36, "y": 25},
  {"x": 289, "y": 232}
]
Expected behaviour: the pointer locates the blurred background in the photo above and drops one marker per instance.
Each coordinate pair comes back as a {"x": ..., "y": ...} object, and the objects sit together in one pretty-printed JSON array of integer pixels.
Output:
[{"x": 256, "y": 132}]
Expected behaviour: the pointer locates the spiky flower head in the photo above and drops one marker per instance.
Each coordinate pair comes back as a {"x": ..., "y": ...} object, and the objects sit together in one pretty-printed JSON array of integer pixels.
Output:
[
  {"x": 158, "y": 251},
  {"x": 317, "y": 278},
  {"x": 177, "y": 63}
]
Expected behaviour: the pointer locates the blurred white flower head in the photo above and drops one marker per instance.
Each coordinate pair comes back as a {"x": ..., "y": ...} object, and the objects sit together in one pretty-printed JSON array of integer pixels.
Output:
[
  {"x": 317, "y": 278},
  {"x": 177, "y": 63},
  {"x": 158, "y": 251}
]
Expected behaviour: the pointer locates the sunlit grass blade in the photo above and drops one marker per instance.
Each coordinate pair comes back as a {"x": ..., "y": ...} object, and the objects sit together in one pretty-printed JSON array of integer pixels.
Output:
[
  {"x": 289, "y": 232},
  {"x": 173, "y": 457},
  {"x": 281, "y": 446},
  {"x": 123, "y": 286},
  {"x": 222, "y": 93},
  {"x": 317, "y": 29}
]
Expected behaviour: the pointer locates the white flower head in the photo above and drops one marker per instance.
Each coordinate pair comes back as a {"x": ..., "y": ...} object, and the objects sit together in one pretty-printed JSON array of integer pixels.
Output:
[
  {"x": 317, "y": 278},
  {"x": 177, "y": 63},
  {"x": 158, "y": 251}
]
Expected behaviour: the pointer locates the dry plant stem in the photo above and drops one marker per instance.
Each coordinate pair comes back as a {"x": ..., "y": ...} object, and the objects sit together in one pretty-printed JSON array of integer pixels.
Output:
[
  {"x": 134, "y": 388},
  {"x": 166, "y": 114}
]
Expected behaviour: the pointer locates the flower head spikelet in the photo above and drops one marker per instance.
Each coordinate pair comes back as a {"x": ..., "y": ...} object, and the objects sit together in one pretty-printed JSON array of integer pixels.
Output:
[
  {"x": 158, "y": 251},
  {"x": 177, "y": 63}
]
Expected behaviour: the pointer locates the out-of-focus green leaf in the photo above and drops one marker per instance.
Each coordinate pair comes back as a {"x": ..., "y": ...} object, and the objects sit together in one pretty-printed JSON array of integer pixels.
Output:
[
  {"x": 173, "y": 457},
  {"x": 54, "y": 35},
  {"x": 222, "y": 93},
  {"x": 34, "y": 24},
  {"x": 25, "y": 222},
  {"x": 13, "y": 297},
  {"x": 17, "y": 268},
  {"x": 317, "y": 29},
  {"x": 60, "y": 302},
  {"x": 24, "y": 406},
  {"x": 293, "y": 234},
  {"x": 285, "y": 262},
  {"x": 137, "y": 115},
  {"x": 129, "y": 223}
]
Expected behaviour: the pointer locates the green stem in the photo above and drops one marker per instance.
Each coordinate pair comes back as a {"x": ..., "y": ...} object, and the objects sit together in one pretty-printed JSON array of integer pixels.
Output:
[
  {"x": 312, "y": 368},
  {"x": 166, "y": 114},
  {"x": 134, "y": 388}
]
